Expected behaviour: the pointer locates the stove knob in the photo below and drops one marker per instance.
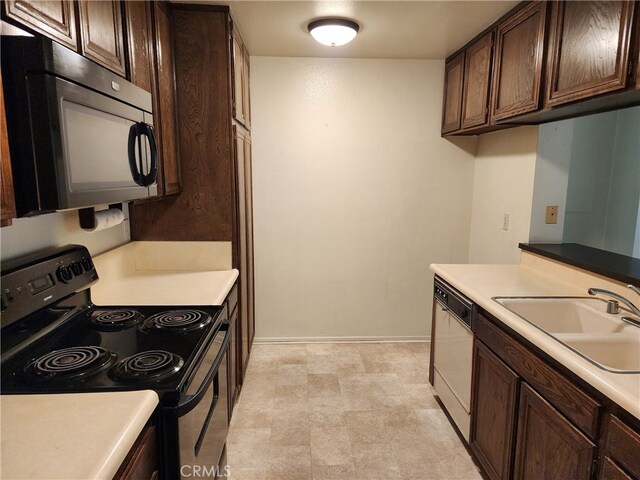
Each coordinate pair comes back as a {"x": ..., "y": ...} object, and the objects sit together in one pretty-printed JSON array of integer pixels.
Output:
[
  {"x": 64, "y": 274},
  {"x": 77, "y": 268},
  {"x": 87, "y": 264}
]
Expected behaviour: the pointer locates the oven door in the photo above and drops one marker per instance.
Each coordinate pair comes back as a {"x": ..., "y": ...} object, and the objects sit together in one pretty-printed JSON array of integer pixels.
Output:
[{"x": 203, "y": 416}]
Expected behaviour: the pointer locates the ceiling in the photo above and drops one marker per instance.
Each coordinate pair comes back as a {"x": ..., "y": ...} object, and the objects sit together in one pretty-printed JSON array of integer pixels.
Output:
[{"x": 391, "y": 29}]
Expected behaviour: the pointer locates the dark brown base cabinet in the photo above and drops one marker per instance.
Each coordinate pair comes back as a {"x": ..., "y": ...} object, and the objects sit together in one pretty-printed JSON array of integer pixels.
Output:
[
  {"x": 495, "y": 397},
  {"x": 141, "y": 463},
  {"x": 548, "y": 445},
  {"x": 531, "y": 419},
  {"x": 235, "y": 349}
]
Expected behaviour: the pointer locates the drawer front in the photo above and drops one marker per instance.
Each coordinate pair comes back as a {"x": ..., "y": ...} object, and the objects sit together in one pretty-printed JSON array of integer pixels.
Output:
[
  {"x": 232, "y": 300},
  {"x": 623, "y": 445},
  {"x": 574, "y": 404}
]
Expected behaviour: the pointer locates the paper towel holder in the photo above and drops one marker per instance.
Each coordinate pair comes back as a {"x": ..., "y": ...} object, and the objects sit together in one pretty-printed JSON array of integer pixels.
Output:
[{"x": 87, "y": 216}]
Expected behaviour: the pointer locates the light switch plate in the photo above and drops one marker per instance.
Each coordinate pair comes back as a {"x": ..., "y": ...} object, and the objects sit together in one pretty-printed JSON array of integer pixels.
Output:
[{"x": 552, "y": 214}]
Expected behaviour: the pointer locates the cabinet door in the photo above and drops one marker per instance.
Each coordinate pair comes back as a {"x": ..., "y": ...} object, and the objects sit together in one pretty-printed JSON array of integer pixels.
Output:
[
  {"x": 233, "y": 361},
  {"x": 248, "y": 190},
  {"x": 493, "y": 412},
  {"x": 548, "y": 445},
  {"x": 102, "y": 35},
  {"x": 477, "y": 71},
  {"x": 238, "y": 77},
  {"x": 452, "y": 99},
  {"x": 140, "y": 44},
  {"x": 165, "y": 118},
  {"x": 7, "y": 199},
  {"x": 241, "y": 208},
  {"x": 142, "y": 461},
  {"x": 610, "y": 471},
  {"x": 246, "y": 93},
  {"x": 589, "y": 49},
  {"x": 517, "y": 68},
  {"x": 55, "y": 19},
  {"x": 623, "y": 445}
]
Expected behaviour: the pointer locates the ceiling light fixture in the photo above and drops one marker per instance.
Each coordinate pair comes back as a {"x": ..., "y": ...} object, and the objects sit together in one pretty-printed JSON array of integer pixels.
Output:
[{"x": 333, "y": 31}]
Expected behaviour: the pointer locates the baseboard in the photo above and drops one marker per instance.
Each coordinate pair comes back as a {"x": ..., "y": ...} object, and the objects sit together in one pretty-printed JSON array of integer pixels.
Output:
[{"x": 380, "y": 339}]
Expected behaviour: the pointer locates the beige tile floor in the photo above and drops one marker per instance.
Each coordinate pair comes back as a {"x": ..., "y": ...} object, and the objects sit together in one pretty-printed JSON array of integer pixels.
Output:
[{"x": 342, "y": 411}]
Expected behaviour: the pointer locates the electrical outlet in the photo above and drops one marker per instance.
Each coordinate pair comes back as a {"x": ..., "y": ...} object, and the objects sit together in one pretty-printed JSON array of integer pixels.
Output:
[
  {"x": 505, "y": 222},
  {"x": 552, "y": 214}
]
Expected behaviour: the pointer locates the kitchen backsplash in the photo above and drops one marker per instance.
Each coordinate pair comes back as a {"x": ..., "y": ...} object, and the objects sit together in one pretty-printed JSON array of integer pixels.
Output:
[{"x": 26, "y": 235}]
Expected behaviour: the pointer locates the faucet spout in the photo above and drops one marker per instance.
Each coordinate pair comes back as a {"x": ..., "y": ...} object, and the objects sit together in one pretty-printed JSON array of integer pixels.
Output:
[{"x": 635, "y": 310}]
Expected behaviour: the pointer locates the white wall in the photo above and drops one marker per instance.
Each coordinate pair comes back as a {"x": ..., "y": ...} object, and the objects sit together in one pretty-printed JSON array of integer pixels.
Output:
[
  {"x": 503, "y": 183},
  {"x": 355, "y": 194},
  {"x": 27, "y": 235}
]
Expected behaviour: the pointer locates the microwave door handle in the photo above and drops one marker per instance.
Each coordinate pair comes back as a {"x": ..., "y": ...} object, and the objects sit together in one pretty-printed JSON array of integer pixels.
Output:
[
  {"x": 189, "y": 402},
  {"x": 134, "y": 165},
  {"x": 147, "y": 131}
]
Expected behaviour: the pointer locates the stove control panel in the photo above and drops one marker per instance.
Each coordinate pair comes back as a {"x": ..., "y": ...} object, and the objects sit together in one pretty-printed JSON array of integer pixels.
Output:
[{"x": 35, "y": 281}]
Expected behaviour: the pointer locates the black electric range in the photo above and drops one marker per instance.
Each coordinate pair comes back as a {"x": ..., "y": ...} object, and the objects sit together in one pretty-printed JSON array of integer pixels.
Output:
[{"x": 55, "y": 340}]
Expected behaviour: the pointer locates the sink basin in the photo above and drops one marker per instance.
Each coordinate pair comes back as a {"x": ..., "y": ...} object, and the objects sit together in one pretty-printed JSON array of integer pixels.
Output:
[
  {"x": 567, "y": 314},
  {"x": 583, "y": 325},
  {"x": 619, "y": 352}
]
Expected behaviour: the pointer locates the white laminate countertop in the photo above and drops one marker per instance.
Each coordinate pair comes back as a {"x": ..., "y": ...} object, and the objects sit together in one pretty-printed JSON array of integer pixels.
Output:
[
  {"x": 164, "y": 273},
  {"x": 156, "y": 287},
  {"x": 70, "y": 436},
  {"x": 482, "y": 282}
]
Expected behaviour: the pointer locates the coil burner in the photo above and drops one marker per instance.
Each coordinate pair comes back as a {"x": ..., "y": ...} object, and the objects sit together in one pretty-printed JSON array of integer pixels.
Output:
[
  {"x": 178, "y": 321},
  {"x": 70, "y": 363},
  {"x": 116, "y": 319},
  {"x": 148, "y": 366}
]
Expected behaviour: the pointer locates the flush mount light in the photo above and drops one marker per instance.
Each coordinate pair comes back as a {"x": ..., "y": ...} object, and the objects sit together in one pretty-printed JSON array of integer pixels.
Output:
[{"x": 333, "y": 31}]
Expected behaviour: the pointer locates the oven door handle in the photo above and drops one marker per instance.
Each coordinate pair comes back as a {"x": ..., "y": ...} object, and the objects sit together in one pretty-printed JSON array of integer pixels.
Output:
[{"x": 189, "y": 402}]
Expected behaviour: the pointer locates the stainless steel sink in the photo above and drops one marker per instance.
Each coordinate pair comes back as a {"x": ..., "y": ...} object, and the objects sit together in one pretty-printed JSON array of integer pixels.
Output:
[{"x": 583, "y": 325}]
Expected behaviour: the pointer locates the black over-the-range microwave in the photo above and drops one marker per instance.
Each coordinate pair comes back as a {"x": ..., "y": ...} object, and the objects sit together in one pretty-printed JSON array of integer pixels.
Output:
[{"x": 79, "y": 135}]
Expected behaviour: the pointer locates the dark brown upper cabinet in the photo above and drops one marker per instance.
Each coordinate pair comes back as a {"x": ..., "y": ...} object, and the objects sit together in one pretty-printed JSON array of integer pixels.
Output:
[
  {"x": 169, "y": 178},
  {"x": 452, "y": 98},
  {"x": 102, "y": 35},
  {"x": 240, "y": 91},
  {"x": 548, "y": 445},
  {"x": 151, "y": 67},
  {"x": 55, "y": 19},
  {"x": 636, "y": 42},
  {"x": 589, "y": 49},
  {"x": 140, "y": 41},
  {"x": 517, "y": 68},
  {"x": 245, "y": 88},
  {"x": 477, "y": 74},
  {"x": 7, "y": 199}
]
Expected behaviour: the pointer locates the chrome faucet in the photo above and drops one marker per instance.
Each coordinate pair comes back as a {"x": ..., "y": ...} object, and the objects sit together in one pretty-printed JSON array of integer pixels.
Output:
[{"x": 613, "y": 309}]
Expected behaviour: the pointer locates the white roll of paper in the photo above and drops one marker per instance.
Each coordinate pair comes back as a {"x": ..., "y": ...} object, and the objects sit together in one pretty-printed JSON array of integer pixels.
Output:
[{"x": 107, "y": 219}]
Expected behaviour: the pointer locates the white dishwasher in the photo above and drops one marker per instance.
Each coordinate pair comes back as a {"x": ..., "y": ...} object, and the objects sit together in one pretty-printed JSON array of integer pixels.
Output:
[{"x": 452, "y": 351}]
